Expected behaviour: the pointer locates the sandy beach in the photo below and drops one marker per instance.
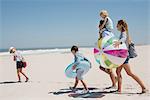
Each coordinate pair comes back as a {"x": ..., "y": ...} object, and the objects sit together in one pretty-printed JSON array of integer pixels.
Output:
[{"x": 47, "y": 80}]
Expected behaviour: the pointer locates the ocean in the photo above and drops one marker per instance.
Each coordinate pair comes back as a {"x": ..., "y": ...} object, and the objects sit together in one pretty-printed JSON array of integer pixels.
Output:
[{"x": 28, "y": 51}]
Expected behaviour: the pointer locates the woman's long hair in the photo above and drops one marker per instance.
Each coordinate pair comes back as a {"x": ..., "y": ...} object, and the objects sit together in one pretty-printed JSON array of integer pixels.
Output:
[{"x": 124, "y": 27}]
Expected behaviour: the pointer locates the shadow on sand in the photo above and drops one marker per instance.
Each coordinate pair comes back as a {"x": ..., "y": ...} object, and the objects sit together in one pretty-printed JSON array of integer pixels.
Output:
[
  {"x": 67, "y": 90},
  {"x": 70, "y": 93},
  {"x": 99, "y": 94},
  {"x": 9, "y": 82}
]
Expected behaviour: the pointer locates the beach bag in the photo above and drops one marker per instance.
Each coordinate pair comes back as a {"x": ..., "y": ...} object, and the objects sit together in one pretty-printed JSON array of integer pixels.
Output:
[
  {"x": 24, "y": 64},
  {"x": 131, "y": 48},
  {"x": 132, "y": 51}
]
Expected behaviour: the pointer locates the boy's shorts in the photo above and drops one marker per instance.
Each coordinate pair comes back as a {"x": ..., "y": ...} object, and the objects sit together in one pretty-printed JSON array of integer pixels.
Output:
[{"x": 80, "y": 74}]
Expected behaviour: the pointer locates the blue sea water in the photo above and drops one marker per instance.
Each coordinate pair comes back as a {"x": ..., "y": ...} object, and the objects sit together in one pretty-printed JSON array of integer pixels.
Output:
[
  {"x": 46, "y": 48},
  {"x": 31, "y": 51}
]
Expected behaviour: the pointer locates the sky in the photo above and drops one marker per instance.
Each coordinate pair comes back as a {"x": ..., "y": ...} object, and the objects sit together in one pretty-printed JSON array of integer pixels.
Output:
[{"x": 61, "y": 23}]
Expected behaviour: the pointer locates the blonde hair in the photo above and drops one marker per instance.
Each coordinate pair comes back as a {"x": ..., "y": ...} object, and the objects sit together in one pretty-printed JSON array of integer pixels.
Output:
[{"x": 104, "y": 12}]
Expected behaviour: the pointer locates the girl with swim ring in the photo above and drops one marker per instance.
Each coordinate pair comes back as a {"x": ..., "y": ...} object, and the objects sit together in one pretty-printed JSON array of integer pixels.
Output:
[
  {"x": 19, "y": 63},
  {"x": 122, "y": 26},
  {"x": 78, "y": 60},
  {"x": 105, "y": 29}
]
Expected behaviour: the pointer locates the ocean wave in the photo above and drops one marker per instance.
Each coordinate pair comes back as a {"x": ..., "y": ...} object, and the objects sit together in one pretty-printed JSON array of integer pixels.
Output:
[{"x": 39, "y": 51}]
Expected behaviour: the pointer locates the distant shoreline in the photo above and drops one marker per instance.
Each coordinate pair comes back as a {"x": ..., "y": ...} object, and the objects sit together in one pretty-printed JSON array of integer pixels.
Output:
[
  {"x": 65, "y": 47},
  {"x": 43, "y": 48}
]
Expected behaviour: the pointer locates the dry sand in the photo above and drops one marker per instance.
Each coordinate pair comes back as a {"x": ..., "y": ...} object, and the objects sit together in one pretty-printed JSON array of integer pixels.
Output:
[{"x": 48, "y": 81}]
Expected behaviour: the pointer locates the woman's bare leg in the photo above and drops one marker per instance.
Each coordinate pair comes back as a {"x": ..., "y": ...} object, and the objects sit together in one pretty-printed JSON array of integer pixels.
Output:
[
  {"x": 118, "y": 72},
  {"x": 136, "y": 78}
]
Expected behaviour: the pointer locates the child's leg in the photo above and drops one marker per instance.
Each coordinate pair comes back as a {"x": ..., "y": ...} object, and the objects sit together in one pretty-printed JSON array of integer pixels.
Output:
[
  {"x": 100, "y": 35},
  {"x": 24, "y": 74},
  {"x": 79, "y": 77},
  {"x": 111, "y": 74},
  {"x": 76, "y": 82},
  {"x": 113, "y": 79},
  {"x": 136, "y": 78},
  {"x": 118, "y": 71},
  {"x": 84, "y": 85},
  {"x": 18, "y": 74}
]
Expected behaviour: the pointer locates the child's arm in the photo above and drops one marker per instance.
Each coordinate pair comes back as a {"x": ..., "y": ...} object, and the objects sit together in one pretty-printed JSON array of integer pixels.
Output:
[
  {"x": 88, "y": 61},
  {"x": 74, "y": 67},
  {"x": 20, "y": 56},
  {"x": 14, "y": 58},
  {"x": 76, "y": 62},
  {"x": 78, "y": 57}
]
